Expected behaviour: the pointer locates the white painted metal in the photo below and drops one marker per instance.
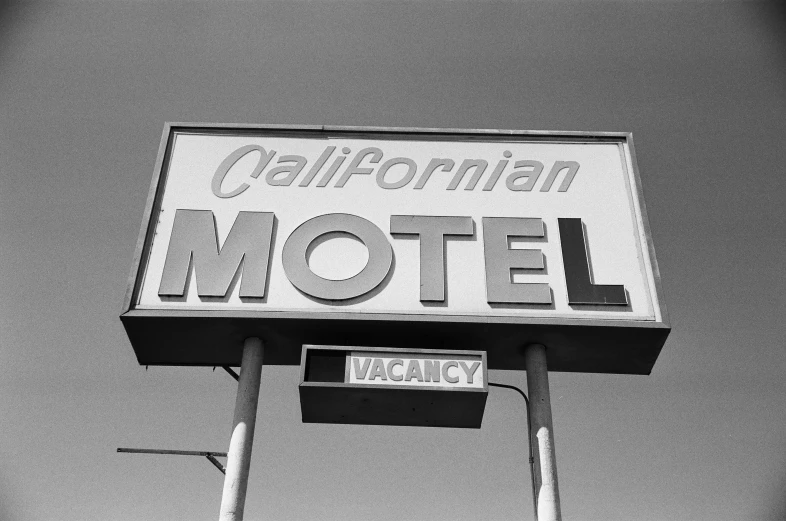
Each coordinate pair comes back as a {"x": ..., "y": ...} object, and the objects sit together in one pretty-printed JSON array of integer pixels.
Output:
[
  {"x": 603, "y": 195},
  {"x": 542, "y": 434},
  {"x": 233, "y": 498}
]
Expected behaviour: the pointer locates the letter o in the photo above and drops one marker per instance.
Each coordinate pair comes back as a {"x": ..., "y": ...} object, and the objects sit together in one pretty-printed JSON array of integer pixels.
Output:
[
  {"x": 380, "y": 257},
  {"x": 228, "y": 163},
  {"x": 412, "y": 168}
]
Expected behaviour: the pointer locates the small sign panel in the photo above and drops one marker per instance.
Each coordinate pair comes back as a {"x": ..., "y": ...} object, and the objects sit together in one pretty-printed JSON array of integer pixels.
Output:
[
  {"x": 392, "y": 386},
  {"x": 370, "y": 236},
  {"x": 412, "y": 370}
]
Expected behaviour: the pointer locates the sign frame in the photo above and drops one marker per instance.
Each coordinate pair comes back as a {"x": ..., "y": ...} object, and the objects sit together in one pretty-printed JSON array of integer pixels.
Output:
[{"x": 215, "y": 337}]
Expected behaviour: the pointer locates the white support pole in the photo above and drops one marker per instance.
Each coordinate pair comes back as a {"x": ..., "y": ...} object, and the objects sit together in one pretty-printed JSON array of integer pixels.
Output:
[
  {"x": 233, "y": 499},
  {"x": 542, "y": 433}
]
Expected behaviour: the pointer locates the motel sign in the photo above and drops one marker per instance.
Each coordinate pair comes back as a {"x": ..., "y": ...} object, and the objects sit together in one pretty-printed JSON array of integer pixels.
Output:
[
  {"x": 396, "y": 266},
  {"x": 396, "y": 237}
]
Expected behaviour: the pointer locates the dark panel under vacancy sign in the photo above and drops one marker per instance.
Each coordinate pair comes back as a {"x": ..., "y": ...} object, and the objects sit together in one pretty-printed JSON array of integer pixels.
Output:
[{"x": 389, "y": 386}]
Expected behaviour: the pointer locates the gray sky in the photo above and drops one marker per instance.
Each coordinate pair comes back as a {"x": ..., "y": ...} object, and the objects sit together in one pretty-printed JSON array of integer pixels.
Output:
[{"x": 86, "y": 88}]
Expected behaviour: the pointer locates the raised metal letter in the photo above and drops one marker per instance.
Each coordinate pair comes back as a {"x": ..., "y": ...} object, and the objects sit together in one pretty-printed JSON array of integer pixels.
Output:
[
  {"x": 581, "y": 290},
  {"x": 446, "y": 375},
  {"x": 352, "y": 169},
  {"x": 393, "y": 376},
  {"x": 380, "y": 257},
  {"x": 432, "y": 232},
  {"x": 194, "y": 241},
  {"x": 500, "y": 288},
  {"x": 558, "y": 167},
  {"x": 231, "y": 159}
]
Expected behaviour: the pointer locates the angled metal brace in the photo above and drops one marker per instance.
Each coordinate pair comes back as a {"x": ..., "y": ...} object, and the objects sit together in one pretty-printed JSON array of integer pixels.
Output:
[
  {"x": 210, "y": 455},
  {"x": 231, "y": 372},
  {"x": 212, "y": 459}
]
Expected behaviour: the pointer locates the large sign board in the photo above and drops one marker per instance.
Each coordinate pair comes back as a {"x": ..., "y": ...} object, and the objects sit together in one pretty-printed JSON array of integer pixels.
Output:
[{"x": 452, "y": 239}]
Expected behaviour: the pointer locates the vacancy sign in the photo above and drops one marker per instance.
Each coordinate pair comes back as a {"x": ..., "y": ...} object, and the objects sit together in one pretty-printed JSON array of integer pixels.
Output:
[
  {"x": 320, "y": 232},
  {"x": 393, "y": 386},
  {"x": 416, "y": 370}
]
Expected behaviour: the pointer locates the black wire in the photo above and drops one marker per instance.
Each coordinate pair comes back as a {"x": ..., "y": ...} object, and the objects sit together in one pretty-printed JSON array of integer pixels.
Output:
[{"x": 529, "y": 440}]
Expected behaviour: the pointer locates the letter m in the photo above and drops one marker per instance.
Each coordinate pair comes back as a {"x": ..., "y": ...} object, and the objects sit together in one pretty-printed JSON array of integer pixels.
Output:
[{"x": 194, "y": 242}]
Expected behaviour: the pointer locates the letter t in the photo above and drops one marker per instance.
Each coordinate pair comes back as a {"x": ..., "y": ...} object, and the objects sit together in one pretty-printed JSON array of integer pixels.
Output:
[{"x": 432, "y": 232}]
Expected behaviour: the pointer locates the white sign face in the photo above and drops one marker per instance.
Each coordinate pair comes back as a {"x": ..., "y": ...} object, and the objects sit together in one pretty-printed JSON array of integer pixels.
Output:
[
  {"x": 508, "y": 226},
  {"x": 413, "y": 370}
]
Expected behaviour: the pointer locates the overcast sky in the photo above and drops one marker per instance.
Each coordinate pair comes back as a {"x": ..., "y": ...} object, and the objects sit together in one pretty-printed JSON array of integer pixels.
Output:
[{"x": 85, "y": 89}]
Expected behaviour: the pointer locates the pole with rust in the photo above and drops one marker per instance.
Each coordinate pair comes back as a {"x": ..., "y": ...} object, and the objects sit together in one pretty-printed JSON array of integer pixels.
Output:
[
  {"x": 233, "y": 498},
  {"x": 542, "y": 433}
]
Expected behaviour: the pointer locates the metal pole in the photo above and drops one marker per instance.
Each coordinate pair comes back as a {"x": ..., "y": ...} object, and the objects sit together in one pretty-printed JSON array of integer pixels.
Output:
[
  {"x": 233, "y": 499},
  {"x": 542, "y": 433}
]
